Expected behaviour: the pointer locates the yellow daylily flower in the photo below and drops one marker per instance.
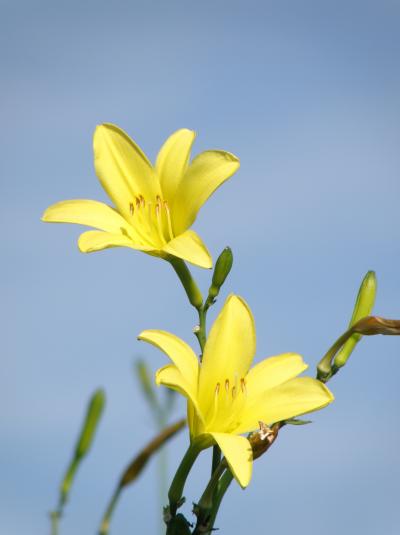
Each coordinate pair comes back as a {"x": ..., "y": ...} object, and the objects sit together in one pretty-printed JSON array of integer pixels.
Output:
[
  {"x": 154, "y": 205},
  {"x": 225, "y": 397}
]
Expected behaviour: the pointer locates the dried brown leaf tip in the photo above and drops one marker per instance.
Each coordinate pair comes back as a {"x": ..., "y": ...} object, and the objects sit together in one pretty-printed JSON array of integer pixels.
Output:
[{"x": 262, "y": 439}]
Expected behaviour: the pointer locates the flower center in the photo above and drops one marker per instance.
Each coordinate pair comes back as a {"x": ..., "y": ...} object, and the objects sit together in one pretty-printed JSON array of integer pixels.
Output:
[
  {"x": 151, "y": 221},
  {"x": 229, "y": 399}
]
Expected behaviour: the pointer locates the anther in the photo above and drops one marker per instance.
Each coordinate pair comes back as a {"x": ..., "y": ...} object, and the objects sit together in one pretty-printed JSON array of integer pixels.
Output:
[
  {"x": 233, "y": 392},
  {"x": 137, "y": 201},
  {"x": 131, "y": 209},
  {"x": 227, "y": 385},
  {"x": 243, "y": 385},
  {"x": 217, "y": 389},
  {"x": 142, "y": 201}
]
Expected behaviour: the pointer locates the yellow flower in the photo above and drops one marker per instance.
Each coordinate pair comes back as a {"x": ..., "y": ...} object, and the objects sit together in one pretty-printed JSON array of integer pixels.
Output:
[
  {"x": 154, "y": 206},
  {"x": 225, "y": 397}
]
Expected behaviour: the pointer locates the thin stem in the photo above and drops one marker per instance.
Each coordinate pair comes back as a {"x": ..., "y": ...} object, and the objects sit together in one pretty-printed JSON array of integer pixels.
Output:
[
  {"x": 55, "y": 518},
  {"x": 200, "y": 332},
  {"x": 134, "y": 469},
  {"x": 105, "y": 523},
  {"x": 178, "y": 483},
  {"x": 223, "y": 486},
  {"x": 216, "y": 458},
  {"x": 188, "y": 283},
  {"x": 205, "y": 506}
]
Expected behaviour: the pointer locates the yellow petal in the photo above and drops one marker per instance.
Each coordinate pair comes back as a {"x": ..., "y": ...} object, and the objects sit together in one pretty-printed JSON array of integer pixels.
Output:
[
  {"x": 178, "y": 351},
  {"x": 204, "y": 175},
  {"x": 239, "y": 455},
  {"x": 229, "y": 349},
  {"x": 272, "y": 372},
  {"x": 95, "y": 240},
  {"x": 189, "y": 246},
  {"x": 85, "y": 212},
  {"x": 293, "y": 398},
  {"x": 122, "y": 168},
  {"x": 172, "y": 161},
  {"x": 171, "y": 377}
]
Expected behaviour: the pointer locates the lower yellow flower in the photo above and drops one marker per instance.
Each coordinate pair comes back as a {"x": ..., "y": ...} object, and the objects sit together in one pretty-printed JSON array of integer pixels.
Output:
[
  {"x": 154, "y": 206},
  {"x": 225, "y": 397}
]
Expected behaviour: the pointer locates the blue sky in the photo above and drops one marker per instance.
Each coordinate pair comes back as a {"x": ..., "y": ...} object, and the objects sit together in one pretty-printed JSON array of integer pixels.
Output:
[{"x": 307, "y": 95}]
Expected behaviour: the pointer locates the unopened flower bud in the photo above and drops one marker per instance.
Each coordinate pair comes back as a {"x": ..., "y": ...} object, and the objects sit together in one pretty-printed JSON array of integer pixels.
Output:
[
  {"x": 93, "y": 415},
  {"x": 222, "y": 268},
  {"x": 362, "y": 308}
]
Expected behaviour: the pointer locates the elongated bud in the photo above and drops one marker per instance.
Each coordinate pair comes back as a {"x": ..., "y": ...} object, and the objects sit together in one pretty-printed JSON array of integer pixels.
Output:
[
  {"x": 93, "y": 415},
  {"x": 362, "y": 308},
  {"x": 85, "y": 439},
  {"x": 222, "y": 268}
]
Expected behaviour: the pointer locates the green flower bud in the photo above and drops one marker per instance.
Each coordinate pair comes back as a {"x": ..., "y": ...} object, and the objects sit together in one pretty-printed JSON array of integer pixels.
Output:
[
  {"x": 222, "y": 268},
  {"x": 362, "y": 308},
  {"x": 85, "y": 439},
  {"x": 93, "y": 415}
]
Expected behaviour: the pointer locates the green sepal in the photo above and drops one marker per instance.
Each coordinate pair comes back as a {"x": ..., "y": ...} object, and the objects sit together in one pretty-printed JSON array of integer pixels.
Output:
[{"x": 297, "y": 421}]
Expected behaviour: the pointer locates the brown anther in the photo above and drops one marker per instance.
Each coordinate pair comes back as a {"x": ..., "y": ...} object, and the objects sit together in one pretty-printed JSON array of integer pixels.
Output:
[
  {"x": 243, "y": 385},
  {"x": 217, "y": 388},
  {"x": 227, "y": 385},
  {"x": 137, "y": 201},
  {"x": 142, "y": 201},
  {"x": 233, "y": 392},
  {"x": 131, "y": 208}
]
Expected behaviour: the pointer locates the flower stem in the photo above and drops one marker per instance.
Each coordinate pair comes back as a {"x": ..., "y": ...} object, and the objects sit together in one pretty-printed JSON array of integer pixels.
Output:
[
  {"x": 205, "y": 506},
  {"x": 176, "y": 489},
  {"x": 223, "y": 486},
  {"x": 189, "y": 284}
]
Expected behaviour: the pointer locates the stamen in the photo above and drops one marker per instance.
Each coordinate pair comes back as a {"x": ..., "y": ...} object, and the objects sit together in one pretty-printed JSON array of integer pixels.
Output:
[
  {"x": 217, "y": 389},
  {"x": 233, "y": 392},
  {"x": 243, "y": 386},
  {"x": 168, "y": 214},
  {"x": 137, "y": 201},
  {"x": 227, "y": 385},
  {"x": 131, "y": 209},
  {"x": 142, "y": 201}
]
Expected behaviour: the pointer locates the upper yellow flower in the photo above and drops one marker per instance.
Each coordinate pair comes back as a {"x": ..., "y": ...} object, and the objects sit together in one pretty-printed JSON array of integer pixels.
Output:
[
  {"x": 154, "y": 206},
  {"x": 225, "y": 397}
]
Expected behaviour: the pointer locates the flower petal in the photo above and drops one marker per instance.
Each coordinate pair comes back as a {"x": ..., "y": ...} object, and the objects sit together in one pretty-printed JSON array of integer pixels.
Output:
[
  {"x": 229, "y": 349},
  {"x": 95, "y": 240},
  {"x": 172, "y": 161},
  {"x": 85, "y": 212},
  {"x": 293, "y": 398},
  {"x": 239, "y": 455},
  {"x": 181, "y": 354},
  {"x": 171, "y": 377},
  {"x": 272, "y": 372},
  {"x": 205, "y": 174},
  {"x": 122, "y": 168},
  {"x": 189, "y": 246}
]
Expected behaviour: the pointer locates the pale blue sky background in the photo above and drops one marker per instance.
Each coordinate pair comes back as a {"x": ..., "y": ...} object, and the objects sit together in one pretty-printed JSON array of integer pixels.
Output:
[{"x": 307, "y": 94}]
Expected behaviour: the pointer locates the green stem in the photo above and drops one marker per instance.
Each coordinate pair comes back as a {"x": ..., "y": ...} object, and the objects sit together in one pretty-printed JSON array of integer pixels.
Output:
[
  {"x": 189, "y": 284},
  {"x": 105, "y": 523},
  {"x": 178, "y": 483},
  {"x": 55, "y": 520},
  {"x": 200, "y": 332},
  {"x": 205, "y": 506},
  {"x": 216, "y": 458},
  {"x": 223, "y": 486}
]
